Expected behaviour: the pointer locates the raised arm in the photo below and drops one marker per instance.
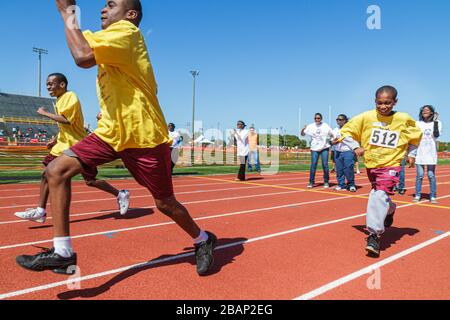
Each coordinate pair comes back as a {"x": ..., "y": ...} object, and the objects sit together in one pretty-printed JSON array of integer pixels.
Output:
[
  {"x": 54, "y": 117},
  {"x": 79, "y": 47}
]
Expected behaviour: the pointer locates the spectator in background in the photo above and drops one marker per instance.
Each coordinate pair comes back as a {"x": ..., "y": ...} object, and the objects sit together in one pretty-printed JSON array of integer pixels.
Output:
[
  {"x": 344, "y": 159},
  {"x": 400, "y": 188},
  {"x": 321, "y": 135},
  {"x": 253, "y": 157},
  {"x": 177, "y": 141},
  {"x": 243, "y": 148},
  {"x": 427, "y": 154}
]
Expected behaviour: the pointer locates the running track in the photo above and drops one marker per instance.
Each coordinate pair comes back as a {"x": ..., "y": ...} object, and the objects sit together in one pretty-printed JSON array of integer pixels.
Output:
[{"x": 277, "y": 241}]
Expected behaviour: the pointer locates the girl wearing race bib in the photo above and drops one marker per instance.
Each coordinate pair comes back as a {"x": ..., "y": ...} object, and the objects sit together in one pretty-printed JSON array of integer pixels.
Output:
[
  {"x": 383, "y": 136},
  {"x": 427, "y": 153}
]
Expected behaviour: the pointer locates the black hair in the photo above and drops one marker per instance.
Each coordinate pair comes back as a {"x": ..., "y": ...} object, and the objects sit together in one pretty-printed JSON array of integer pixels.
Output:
[
  {"x": 60, "y": 77},
  {"x": 343, "y": 116},
  {"x": 319, "y": 114},
  {"x": 171, "y": 124},
  {"x": 242, "y": 122},
  {"x": 136, "y": 5},
  {"x": 433, "y": 111},
  {"x": 389, "y": 89}
]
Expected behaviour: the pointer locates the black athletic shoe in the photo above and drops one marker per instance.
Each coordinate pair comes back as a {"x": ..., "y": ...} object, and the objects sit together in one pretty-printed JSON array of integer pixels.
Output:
[
  {"x": 48, "y": 260},
  {"x": 373, "y": 245},
  {"x": 402, "y": 192},
  {"x": 204, "y": 254},
  {"x": 389, "y": 221}
]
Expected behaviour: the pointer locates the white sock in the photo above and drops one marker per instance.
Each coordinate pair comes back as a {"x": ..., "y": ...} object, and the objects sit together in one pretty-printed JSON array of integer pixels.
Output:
[
  {"x": 63, "y": 247},
  {"x": 41, "y": 211},
  {"x": 203, "y": 237}
]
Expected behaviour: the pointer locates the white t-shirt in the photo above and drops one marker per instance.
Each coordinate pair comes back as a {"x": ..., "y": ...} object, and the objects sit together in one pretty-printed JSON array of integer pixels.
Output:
[
  {"x": 243, "y": 148},
  {"x": 320, "y": 136},
  {"x": 340, "y": 147},
  {"x": 176, "y": 138},
  {"x": 427, "y": 151}
]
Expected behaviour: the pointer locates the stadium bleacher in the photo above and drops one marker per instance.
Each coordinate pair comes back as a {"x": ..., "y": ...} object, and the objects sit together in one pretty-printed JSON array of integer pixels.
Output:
[{"x": 19, "y": 111}]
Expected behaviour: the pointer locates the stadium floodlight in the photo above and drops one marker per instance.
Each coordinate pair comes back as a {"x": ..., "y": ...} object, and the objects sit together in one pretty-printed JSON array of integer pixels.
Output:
[
  {"x": 40, "y": 52},
  {"x": 194, "y": 74}
]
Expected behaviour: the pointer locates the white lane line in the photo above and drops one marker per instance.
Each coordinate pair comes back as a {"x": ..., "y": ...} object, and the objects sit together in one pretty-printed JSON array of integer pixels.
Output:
[
  {"x": 297, "y": 175},
  {"x": 130, "y": 181},
  {"x": 171, "y": 223},
  {"x": 178, "y": 257},
  {"x": 194, "y": 202},
  {"x": 183, "y": 203},
  {"x": 367, "y": 270}
]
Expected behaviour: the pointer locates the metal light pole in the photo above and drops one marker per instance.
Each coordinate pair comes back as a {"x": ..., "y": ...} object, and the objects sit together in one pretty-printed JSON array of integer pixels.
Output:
[
  {"x": 40, "y": 52},
  {"x": 194, "y": 74}
]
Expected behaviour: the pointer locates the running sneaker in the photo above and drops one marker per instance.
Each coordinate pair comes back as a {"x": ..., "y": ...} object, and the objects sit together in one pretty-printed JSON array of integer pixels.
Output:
[
  {"x": 48, "y": 260},
  {"x": 204, "y": 254},
  {"x": 310, "y": 186},
  {"x": 373, "y": 245},
  {"x": 389, "y": 221},
  {"x": 402, "y": 192},
  {"x": 326, "y": 186},
  {"x": 417, "y": 199},
  {"x": 352, "y": 189},
  {"x": 123, "y": 199},
  {"x": 358, "y": 172},
  {"x": 434, "y": 200},
  {"x": 32, "y": 215},
  {"x": 339, "y": 188}
]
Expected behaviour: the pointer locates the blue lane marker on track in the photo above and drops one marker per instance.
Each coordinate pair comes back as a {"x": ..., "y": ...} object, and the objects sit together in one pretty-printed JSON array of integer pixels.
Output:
[{"x": 110, "y": 235}]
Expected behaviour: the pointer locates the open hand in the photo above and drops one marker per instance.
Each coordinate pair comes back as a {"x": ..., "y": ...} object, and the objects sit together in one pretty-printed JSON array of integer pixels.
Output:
[
  {"x": 42, "y": 111},
  {"x": 64, "y": 4},
  {"x": 412, "y": 162},
  {"x": 360, "y": 152},
  {"x": 51, "y": 144}
]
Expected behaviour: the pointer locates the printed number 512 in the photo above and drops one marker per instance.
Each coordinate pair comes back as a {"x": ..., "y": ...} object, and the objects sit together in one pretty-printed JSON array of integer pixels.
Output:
[{"x": 384, "y": 138}]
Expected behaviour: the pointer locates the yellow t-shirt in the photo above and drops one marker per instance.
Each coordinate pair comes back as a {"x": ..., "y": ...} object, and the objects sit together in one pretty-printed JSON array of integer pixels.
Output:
[
  {"x": 69, "y": 106},
  {"x": 385, "y": 139},
  {"x": 126, "y": 89}
]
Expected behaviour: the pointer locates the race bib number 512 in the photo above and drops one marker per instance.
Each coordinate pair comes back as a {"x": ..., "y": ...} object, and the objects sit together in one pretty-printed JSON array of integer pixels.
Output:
[{"x": 385, "y": 138}]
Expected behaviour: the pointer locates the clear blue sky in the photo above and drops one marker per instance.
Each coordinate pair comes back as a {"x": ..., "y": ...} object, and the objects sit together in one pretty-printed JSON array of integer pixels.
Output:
[{"x": 260, "y": 60}]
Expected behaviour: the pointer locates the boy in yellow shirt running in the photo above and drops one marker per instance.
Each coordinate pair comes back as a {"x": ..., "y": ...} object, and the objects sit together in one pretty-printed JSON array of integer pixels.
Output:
[
  {"x": 69, "y": 117},
  {"x": 383, "y": 136}
]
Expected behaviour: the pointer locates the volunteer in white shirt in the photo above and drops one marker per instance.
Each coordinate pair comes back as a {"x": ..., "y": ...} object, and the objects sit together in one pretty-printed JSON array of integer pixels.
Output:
[
  {"x": 344, "y": 158},
  {"x": 177, "y": 140},
  {"x": 321, "y": 135},
  {"x": 427, "y": 152},
  {"x": 243, "y": 148}
]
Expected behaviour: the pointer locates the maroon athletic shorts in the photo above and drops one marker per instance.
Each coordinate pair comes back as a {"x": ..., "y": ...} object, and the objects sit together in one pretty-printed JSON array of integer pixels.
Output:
[
  {"x": 150, "y": 167},
  {"x": 384, "y": 178},
  {"x": 90, "y": 175}
]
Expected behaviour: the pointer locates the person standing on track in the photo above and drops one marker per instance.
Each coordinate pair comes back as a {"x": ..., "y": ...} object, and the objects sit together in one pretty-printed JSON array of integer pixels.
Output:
[
  {"x": 382, "y": 136},
  {"x": 321, "y": 135},
  {"x": 243, "y": 148},
  {"x": 177, "y": 140},
  {"x": 132, "y": 128},
  {"x": 69, "y": 117},
  {"x": 344, "y": 158},
  {"x": 253, "y": 156},
  {"x": 427, "y": 154}
]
